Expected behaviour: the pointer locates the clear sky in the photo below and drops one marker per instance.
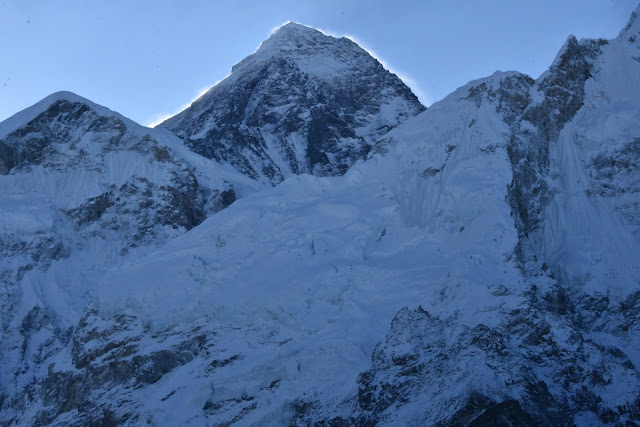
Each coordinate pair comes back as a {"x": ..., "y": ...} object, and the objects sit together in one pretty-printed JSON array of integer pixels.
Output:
[{"x": 148, "y": 59}]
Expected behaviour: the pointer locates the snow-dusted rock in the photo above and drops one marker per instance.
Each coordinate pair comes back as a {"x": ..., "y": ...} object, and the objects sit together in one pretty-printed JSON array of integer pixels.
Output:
[
  {"x": 82, "y": 186},
  {"x": 304, "y": 102}
]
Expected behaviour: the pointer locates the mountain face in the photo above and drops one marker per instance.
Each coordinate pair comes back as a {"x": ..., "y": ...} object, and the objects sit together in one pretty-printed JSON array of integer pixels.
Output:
[
  {"x": 567, "y": 354},
  {"x": 304, "y": 102},
  {"x": 479, "y": 267},
  {"x": 72, "y": 166},
  {"x": 82, "y": 188}
]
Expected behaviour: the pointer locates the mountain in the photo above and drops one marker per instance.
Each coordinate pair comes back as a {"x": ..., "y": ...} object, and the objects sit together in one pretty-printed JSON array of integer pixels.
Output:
[
  {"x": 478, "y": 267},
  {"x": 82, "y": 189},
  {"x": 69, "y": 162},
  {"x": 304, "y": 102}
]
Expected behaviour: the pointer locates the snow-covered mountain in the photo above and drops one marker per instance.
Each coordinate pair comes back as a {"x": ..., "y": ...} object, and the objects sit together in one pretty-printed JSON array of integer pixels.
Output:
[
  {"x": 81, "y": 188},
  {"x": 479, "y": 267},
  {"x": 304, "y": 102}
]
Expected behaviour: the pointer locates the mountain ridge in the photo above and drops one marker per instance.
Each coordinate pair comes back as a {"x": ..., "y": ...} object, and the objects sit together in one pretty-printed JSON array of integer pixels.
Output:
[
  {"x": 22, "y": 117},
  {"x": 303, "y": 102}
]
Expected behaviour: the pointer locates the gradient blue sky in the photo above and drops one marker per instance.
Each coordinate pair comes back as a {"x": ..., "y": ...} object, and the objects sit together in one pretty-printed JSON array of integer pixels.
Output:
[{"x": 149, "y": 59}]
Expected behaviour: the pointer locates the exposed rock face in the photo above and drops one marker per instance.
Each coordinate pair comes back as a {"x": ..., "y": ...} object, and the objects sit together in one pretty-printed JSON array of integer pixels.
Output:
[
  {"x": 615, "y": 175},
  {"x": 105, "y": 181},
  {"x": 304, "y": 102},
  {"x": 537, "y": 125},
  {"x": 104, "y": 353},
  {"x": 524, "y": 373}
]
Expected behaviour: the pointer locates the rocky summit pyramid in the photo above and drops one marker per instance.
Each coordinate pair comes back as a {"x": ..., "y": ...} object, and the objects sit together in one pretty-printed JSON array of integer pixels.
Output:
[
  {"x": 304, "y": 102},
  {"x": 478, "y": 267}
]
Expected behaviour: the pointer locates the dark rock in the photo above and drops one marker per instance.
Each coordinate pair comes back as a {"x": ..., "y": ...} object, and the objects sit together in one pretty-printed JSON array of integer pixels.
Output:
[{"x": 269, "y": 111}]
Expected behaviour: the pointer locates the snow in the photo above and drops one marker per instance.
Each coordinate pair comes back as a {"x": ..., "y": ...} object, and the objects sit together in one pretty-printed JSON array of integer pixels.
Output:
[
  {"x": 320, "y": 55},
  {"x": 25, "y": 116},
  {"x": 36, "y": 201},
  {"x": 633, "y": 26},
  {"x": 269, "y": 97},
  {"x": 329, "y": 261},
  {"x": 25, "y": 213},
  {"x": 585, "y": 238},
  {"x": 297, "y": 284}
]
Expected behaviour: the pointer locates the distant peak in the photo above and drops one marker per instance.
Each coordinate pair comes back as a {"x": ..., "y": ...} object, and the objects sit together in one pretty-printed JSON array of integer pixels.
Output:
[
  {"x": 294, "y": 27},
  {"x": 294, "y": 40},
  {"x": 23, "y": 117},
  {"x": 290, "y": 25},
  {"x": 633, "y": 26},
  {"x": 294, "y": 34},
  {"x": 64, "y": 95}
]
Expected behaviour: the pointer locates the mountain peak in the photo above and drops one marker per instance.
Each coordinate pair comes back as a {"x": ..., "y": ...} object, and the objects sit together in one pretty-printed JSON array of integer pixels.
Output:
[
  {"x": 303, "y": 102},
  {"x": 297, "y": 42},
  {"x": 295, "y": 37},
  {"x": 64, "y": 95},
  {"x": 633, "y": 26},
  {"x": 23, "y": 117},
  {"x": 291, "y": 27}
]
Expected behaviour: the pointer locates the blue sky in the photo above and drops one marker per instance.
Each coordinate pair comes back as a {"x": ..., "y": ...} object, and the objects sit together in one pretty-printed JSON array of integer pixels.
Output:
[{"x": 148, "y": 59}]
